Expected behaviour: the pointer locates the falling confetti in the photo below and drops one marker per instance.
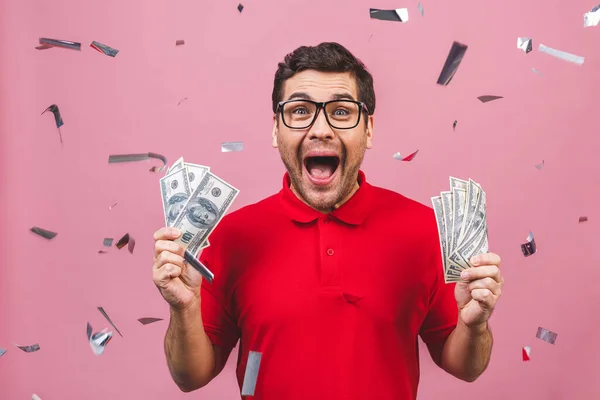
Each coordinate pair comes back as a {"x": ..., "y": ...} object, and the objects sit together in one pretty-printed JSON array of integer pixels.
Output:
[
  {"x": 563, "y": 55},
  {"x": 30, "y": 349},
  {"x": 397, "y": 15},
  {"x": 240, "y": 7},
  {"x": 530, "y": 247},
  {"x": 453, "y": 60},
  {"x": 251, "y": 374},
  {"x": 583, "y": 219},
  {"x": 486, "y": 98},
  {"x": 44, "y": 233},
  {"x": 35, "y": 397},
  {"x": 109, "y": 320},
  {"x": 540, "y": 166},
  {"x": 113, "y": 206},
  {"x": 399, "y": 157},
  {"x": 454, "y": 125},
  {"x": 227, "y": 147},
  {"x": 148, "y": 320},
  {"x": 121, "y": 158},
  {"x": 525, "y": 44},
  {"x": 420, "y": 8},
  {"x": 592, "y": 18},
  {"x": 98, "y": 340},
  {"x": 104, "y": 49},
  {"x": 546, "y": 335},
  {"x": 57, "y": 118},
  {"x": 536, "y": 71},
  {"x": 108, "y": 242},
  {"x": 2, "y": 351},
  {"x": 526, "y": 353},
  {"x": 47, "y": 43},
  {"x": 126, "y": 240},
  {"x": 185, "y": 98},
  {"x": 179, "y": 42}
]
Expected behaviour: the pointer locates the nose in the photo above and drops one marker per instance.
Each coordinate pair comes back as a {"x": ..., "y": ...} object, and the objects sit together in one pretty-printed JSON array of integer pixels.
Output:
[{"x": 320, "y": 129}]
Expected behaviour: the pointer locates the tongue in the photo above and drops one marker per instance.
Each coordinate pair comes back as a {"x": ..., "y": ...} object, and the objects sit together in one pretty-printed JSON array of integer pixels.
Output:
[{"x": 320, "y": 171}]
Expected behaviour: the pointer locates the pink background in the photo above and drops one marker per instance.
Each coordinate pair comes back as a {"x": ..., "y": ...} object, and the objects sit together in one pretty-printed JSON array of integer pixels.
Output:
[{"x": 128, "y": 104}]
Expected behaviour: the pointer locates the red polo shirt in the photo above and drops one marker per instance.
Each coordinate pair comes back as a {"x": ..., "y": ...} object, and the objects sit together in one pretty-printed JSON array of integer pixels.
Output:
[{"x": 334, "y": 302}]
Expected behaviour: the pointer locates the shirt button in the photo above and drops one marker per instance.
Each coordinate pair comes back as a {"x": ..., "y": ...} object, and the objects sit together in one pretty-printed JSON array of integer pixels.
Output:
[{"x": 329, "y": 252}]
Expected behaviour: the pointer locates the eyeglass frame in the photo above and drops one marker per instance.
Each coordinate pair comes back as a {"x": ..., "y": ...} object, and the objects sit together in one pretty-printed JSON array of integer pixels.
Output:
[{"x": 321, "y": 105}]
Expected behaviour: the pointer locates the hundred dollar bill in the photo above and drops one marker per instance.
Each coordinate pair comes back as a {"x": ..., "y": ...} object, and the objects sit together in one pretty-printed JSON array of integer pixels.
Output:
[
  {"x": 177, "y": 165},
  {"x": 472, "y": 203},
  {"x": 458, "y": 208},
  {"x": 441, "y": 225},
  {"x": 475, "y": 240},
  {"x": 195, "y": 174},
  {"x": 175, "y": 191},
  {"x": 203, "y": 211},
  {"x": 446, "y": 198}
]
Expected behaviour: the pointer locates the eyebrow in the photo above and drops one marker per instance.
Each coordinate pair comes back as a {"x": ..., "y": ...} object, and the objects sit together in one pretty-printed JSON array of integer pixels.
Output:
[{"x": 335, "y": 96}]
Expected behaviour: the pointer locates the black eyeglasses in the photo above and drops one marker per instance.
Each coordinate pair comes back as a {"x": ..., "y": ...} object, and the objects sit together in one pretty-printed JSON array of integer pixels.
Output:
[{"x": 340, "y": 114}]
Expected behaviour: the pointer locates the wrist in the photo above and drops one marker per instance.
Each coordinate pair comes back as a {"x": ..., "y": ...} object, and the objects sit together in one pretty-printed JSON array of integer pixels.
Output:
[
  {"x": 192, "y": 306},
  {"x": 474, "y": 330}
]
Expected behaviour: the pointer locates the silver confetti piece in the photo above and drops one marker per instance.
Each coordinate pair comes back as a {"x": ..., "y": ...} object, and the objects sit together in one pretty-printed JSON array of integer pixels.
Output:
[
  {"x": 35, "y": 397},
  {"x": 121, "y": 158},
  {"x": 530, "y": 247},
  {"x": 420, "y": 8},
  {"x": 536, "y": 71},
  {"x": 546, "y": 335},
  {"x": 2, "y": 351},
  {"x": 453, "y": 60},
  {"x": 99, "y": 340},
  {"x": 101, "y": 309},
  {"x": 525, "y": 44},
  {"x": 104, "y": 49},
  {"x": 108, "y": 242},
  {"x": 251, "y": 374},
  {"x": 148, "y": 320},
  {"x": 592, "y": 18},
  {"x": 397, "y": 15},
  {"x": 563, "y": 55},
  {"x": 30, "y": 349},
  {"x": 227, "y": 147},
  {"x": 540, "y": 166},
  {"x": 44, "y": 233},
  {"x": 67, "y": 44}
]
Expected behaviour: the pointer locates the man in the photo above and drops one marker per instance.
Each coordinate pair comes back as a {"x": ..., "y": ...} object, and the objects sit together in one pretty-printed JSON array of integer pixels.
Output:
[{"x": 331, "y": 279}]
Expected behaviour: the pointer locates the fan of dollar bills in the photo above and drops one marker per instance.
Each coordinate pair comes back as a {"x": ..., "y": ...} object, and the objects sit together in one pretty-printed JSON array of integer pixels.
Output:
[
  {"x": 462, "y": 225},
  {"x": 194, "y": 201}
]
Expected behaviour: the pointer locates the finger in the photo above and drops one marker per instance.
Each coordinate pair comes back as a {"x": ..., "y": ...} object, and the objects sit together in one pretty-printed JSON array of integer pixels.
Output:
[
  {"x": 485, "y": 259},
  {"x": 486, "y": 283},
  {"x": 167, "y": 245},
  {"x": 471, "y": 274},
  {"x": 485, "y": 297},
  {"x": 167, "y": 233},
  {"x": 164, "y": 274},
  {"x": 166, "y": 257}
]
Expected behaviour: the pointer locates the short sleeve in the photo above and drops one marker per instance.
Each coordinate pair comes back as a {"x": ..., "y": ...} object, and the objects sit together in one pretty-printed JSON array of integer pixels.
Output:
[
  {"x": 219, "y": 324},
  {"x": 442, "y": 314}
]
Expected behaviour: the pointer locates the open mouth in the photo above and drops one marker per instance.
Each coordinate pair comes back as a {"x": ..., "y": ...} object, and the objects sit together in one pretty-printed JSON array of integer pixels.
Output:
[{"x": 321, "y": 168}]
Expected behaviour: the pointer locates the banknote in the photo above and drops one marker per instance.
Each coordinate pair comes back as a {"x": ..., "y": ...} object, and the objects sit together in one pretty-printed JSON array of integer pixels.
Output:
[
  {"x": 195, "y": 174},
  {"x": 202, "y": 212},
  {"x": 175, "y": 191},
  {"x": 461, "y": 220},
  {"x": 177, "y": 165}
]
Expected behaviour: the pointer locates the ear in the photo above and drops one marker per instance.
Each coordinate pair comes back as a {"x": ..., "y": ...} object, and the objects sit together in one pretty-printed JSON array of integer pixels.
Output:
[
  {"x": 275, "y": 130},
  {"x": 370, "y": 126}
]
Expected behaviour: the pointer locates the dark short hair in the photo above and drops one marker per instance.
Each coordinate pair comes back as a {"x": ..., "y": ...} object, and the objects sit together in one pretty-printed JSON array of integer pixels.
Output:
[{"x": 325, "y": 57}]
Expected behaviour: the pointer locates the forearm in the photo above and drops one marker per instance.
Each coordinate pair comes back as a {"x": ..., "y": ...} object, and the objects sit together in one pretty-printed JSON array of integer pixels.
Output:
[
  {"x": 188, "y": 349},
  {"x": 467, "y": 351}
]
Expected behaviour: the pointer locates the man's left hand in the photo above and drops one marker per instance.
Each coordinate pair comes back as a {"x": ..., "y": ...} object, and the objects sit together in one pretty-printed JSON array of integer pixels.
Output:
[{"x": 478, "y": 292}]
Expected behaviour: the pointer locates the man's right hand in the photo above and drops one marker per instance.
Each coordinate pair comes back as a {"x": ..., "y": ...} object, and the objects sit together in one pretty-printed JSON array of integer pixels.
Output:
[{"x": 178, "y": 283}]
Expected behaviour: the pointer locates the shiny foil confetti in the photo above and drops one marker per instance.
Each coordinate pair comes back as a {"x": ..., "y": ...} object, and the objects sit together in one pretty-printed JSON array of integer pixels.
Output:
[
  {"x": 44, "y": 233},
  {"x": 109, "y": 320},
  {"x": 420, "y": 8},
  {"x": 530, "y": 247},
  {"x": 180, "y": 101},
  {"x": 487, "y": 98},
  {"x": 104, "y": 49},
  {"x": 228, "y": 147},
  {"x": 240, "y": 7},
  {"x": 540, "y": 166},
  {"x": 526, "y": 353},
  {"x": 57, "y": 118},
  {"x": 453, "y": 60},
  {"x": 148, "y": 320},
  {"x": 409, "y": 157},
  {"x": 65, "y": 44},
  {"x": 536, "y": 71},
  {"x": 198, "y": 266},
  {"x": 30, "y": 349},
  {"x": 108, "y": 242},
  {"x": 546, "y": 335},
  {"x": 397, "y": 15},
  {"x": 126, "y": 241},
  {"x": 113, "y": 206},
  {"x": 592, "y": 18},
  {"x": 525, "y": 44},
  {"x": 2, "y": 351},
  {"x": 179, "y": 42},
  {"x": 583, "y": 219},
  {"x": 35, "y": 397},
  {"x": 121, "y": 158},
  {"x": 251, "y": 374},
  {"x": 98, "y": 340},
  {"x": 454, "y": 125},
  {"x": 563, "y": 55}
]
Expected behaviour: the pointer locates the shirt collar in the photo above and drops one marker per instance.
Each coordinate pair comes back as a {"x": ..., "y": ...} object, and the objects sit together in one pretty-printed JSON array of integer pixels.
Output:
[{"x": 352, "y": 212}]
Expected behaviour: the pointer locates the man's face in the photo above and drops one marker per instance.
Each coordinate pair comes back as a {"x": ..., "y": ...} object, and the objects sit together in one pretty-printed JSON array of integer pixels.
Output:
[{"x": 322, "y": 182}]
